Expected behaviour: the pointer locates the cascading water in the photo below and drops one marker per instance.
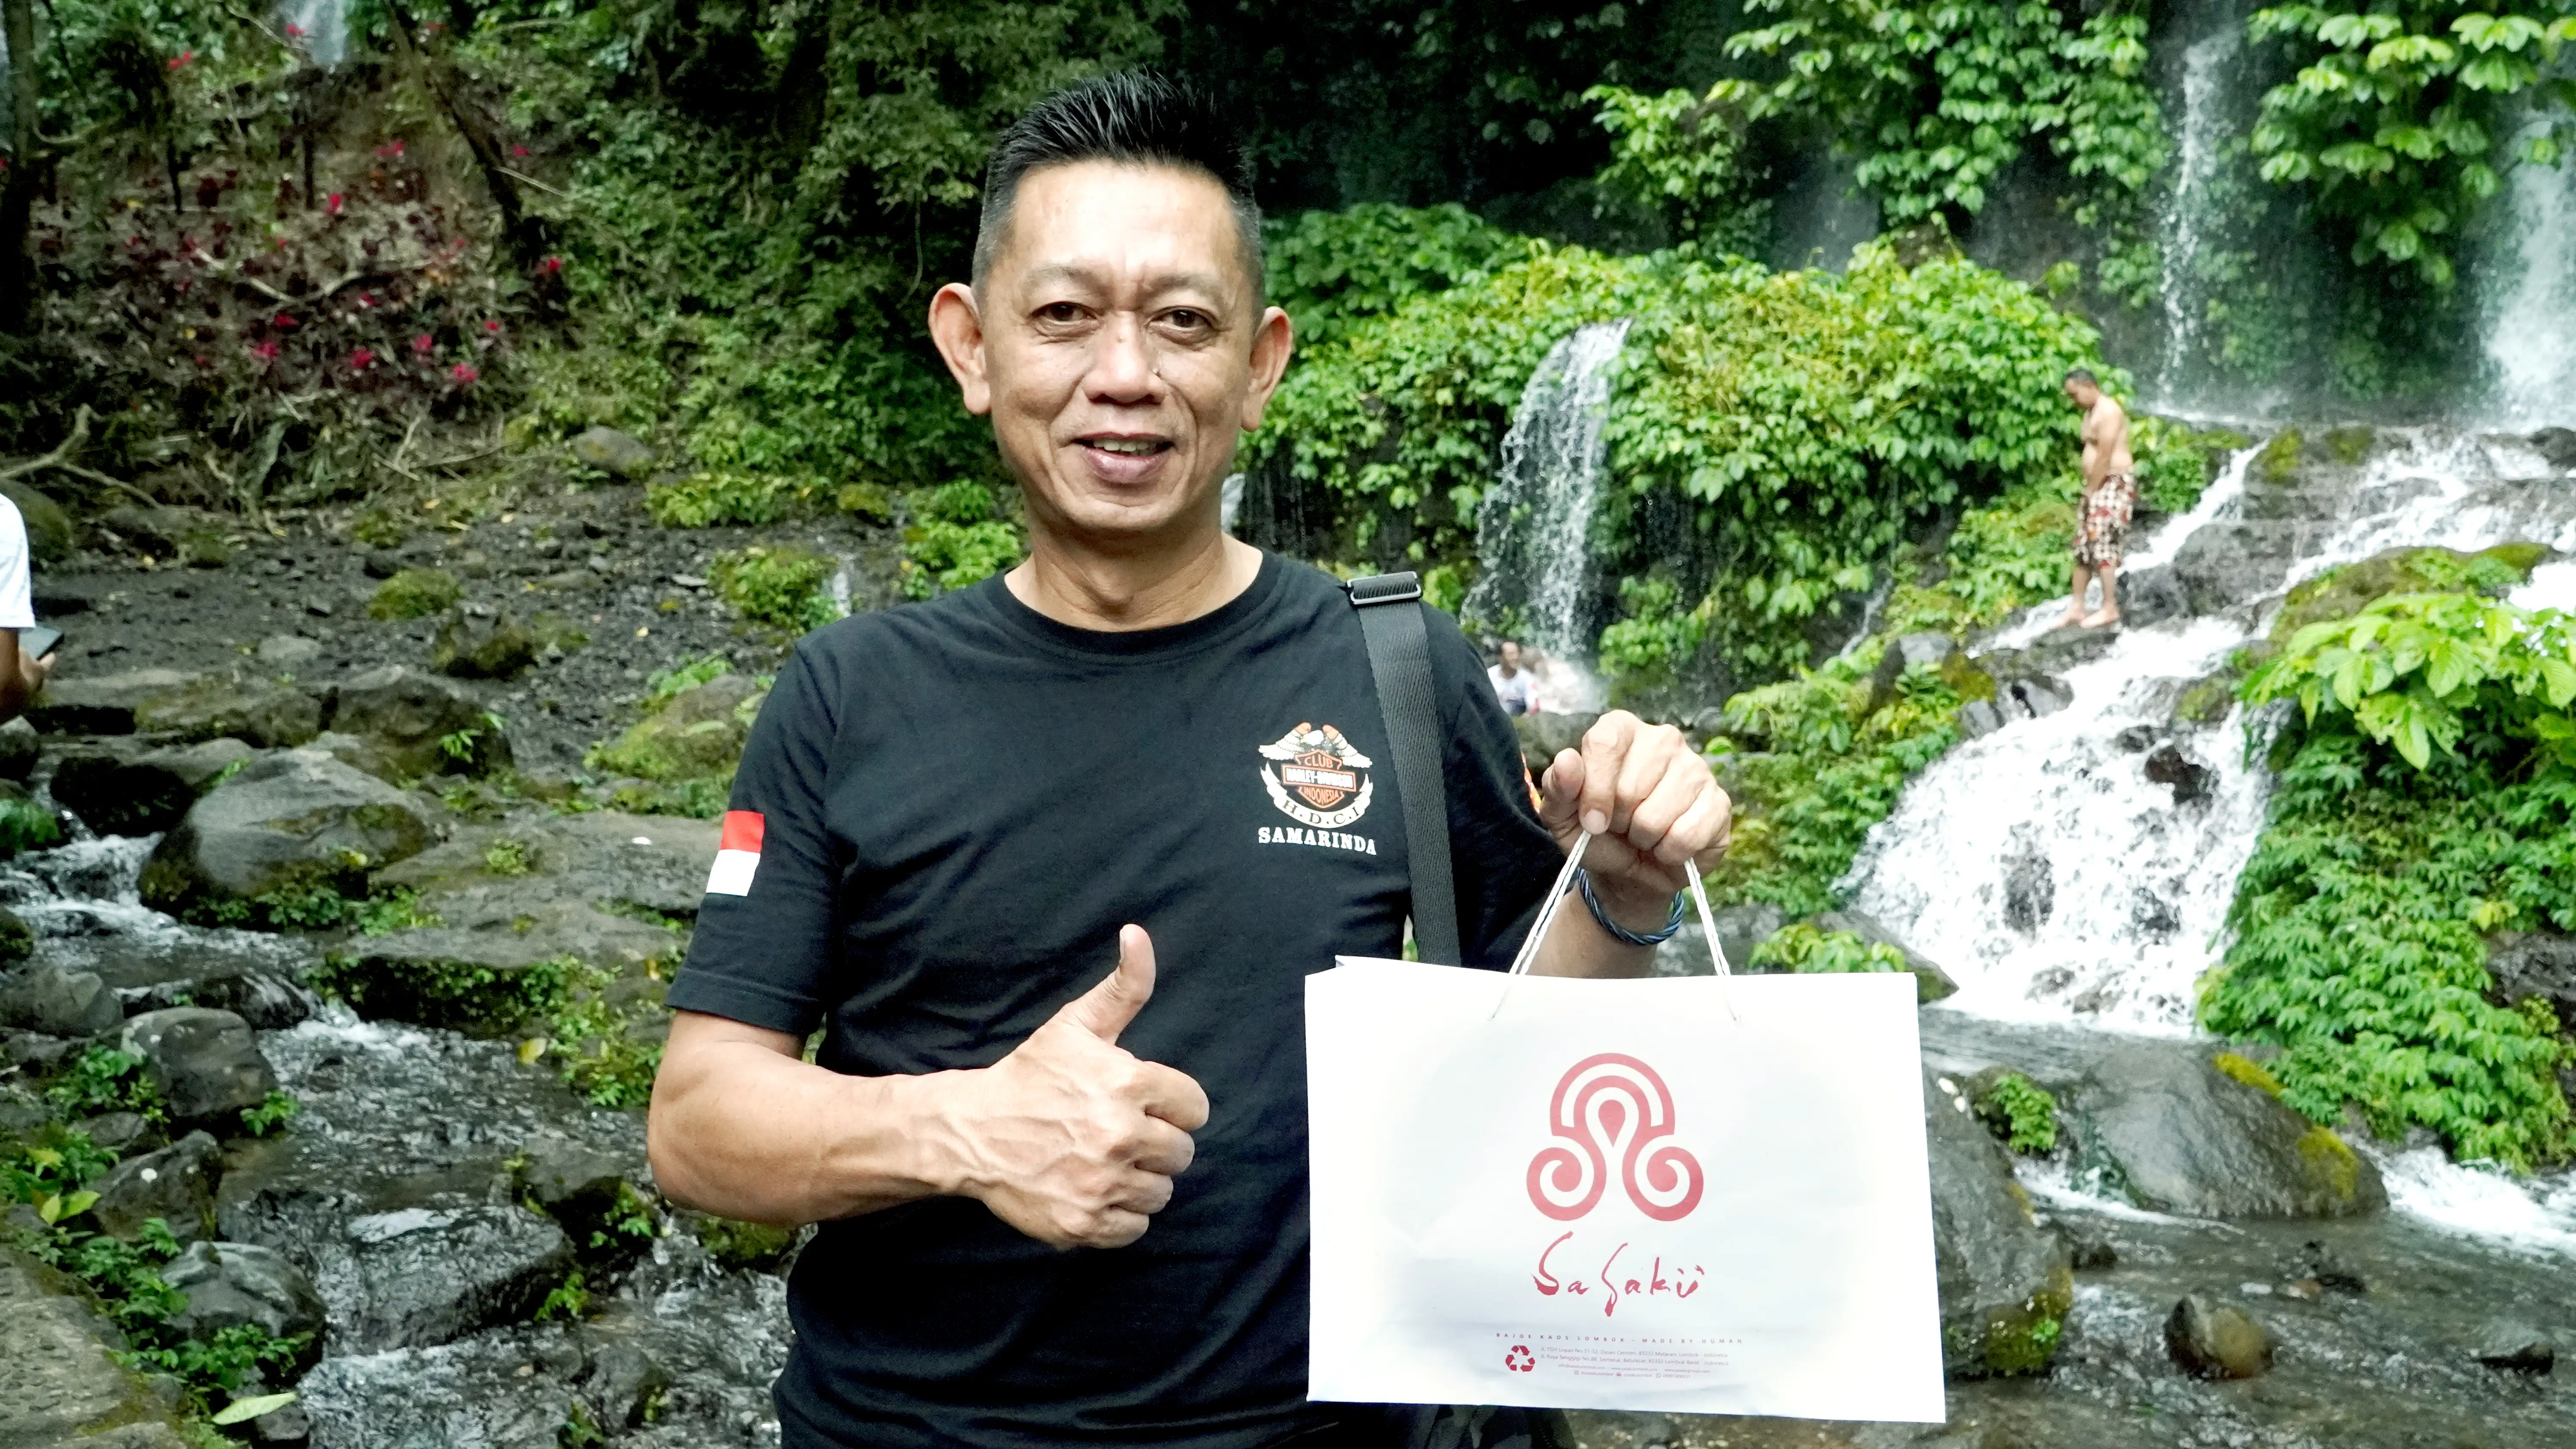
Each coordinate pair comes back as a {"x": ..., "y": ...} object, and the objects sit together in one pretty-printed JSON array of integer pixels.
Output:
[
  {"x": 1534, "y": 530},
  {"x": 2530, "y": 341},
  {"x": 2204, "y": 123},
  {"x": 320, "y": 27}
]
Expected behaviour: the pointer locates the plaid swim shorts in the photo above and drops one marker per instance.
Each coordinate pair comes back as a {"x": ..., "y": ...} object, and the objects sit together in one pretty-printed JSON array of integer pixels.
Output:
[{"x": 2102, "y": 526}]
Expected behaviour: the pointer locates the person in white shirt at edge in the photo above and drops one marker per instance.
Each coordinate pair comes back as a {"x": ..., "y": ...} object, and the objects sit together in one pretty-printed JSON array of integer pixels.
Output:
[
  {"x": 1516, "y": 687},
  {"x": 21, "y": 674}
]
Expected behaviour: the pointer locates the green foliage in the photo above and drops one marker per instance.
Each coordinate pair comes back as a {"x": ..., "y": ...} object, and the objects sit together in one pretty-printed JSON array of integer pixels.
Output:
[
  {"x": 1934, "y": 102},
  {"x": 395, "y": 910},
  {"x": 2399, "y": 117},
  {"x": 1812, "y": 768},
  {"x": 274, "y": 1111},
  {"x": 26, "y": 825},
  {"x": 568, "y": 1300},
  {"x": 704, "y": 500},
  {"x": 1680, "y": 157},
  {"x": 1809, "y": 950},
  {"x": 103, "y": 1079},
  {"x": 679, "y": 679},
  {"x": 506, "y": 856},
  {"x": 2020, "y": 1112},
  {"x": 1330, "y": 270},
  {"x": 2424, "y": 799},
  {"x": 604, "y": 1053},
  {"x": 415, "y": 594},
  {"x": 782, "y": 587},
  {"x": 959, "y": 536}
]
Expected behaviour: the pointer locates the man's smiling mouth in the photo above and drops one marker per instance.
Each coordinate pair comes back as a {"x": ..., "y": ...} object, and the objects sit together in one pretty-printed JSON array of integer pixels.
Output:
[{"x": 1129, "y": 447}]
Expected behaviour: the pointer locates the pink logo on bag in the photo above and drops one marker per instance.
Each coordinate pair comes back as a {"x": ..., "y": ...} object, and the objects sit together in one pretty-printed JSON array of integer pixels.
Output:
[{"x": 1613, "y": 1106}]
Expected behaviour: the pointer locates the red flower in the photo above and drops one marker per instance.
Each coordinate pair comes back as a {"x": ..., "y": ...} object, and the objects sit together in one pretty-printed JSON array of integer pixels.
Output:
[
  {"x": 333, "y": 202},
  {"x": 182, "y": 58},
  {"x": 493, "y": 327},
  {"x": 434, "y": 26},
  {"x": 549, "y": 266},
  {"x": 421, "y": 345},
  {"x": 366, "y": 299},
  {"x": 265, "y": 351},
  {"x": 390, "y": 149},
  {"x": 518, "y": 150},
  {"x": 282, "y": 320},
  {"x": 359, "y": 359},
  {"x": 463, "y": 374},
  {"x": 295, "y": 30}
]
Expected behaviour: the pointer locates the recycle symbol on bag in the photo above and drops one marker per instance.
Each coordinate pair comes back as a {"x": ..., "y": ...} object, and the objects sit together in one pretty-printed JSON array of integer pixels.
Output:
[
  {"x": 1609, "y": 1106},
  {"x": 1520, "y": 1360}
]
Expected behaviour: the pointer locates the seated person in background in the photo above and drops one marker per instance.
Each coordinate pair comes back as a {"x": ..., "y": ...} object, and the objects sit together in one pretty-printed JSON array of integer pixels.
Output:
[
  {"x": 22, "y": 675},
  {"x": 1516, "y": 687}
]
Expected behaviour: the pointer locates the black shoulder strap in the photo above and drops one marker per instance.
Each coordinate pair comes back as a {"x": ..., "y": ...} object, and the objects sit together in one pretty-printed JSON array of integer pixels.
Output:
[{"x": 1399, "y": 651}]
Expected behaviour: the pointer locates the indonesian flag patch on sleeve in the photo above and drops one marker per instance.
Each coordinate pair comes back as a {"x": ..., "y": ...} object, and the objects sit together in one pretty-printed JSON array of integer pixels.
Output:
[{"x": 737, "y": 854}]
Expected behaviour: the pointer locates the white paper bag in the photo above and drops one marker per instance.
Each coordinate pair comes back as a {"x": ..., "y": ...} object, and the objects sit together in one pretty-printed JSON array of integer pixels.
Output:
[{"x": 1621, "y": 1194}]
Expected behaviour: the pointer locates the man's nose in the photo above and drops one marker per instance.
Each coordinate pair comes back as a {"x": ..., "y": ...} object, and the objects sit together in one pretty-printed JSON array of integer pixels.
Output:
[{"x": 1122, "y": 363}]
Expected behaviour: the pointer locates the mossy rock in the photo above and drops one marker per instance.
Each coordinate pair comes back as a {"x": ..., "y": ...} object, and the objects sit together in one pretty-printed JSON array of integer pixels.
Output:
[
  {"x": 49, "y": 529},
  {"x": 694, "y": 735},
  {"x": 2208, "y": 701},
  {"x": 2349, "y": 445},
  {"x": 2343, "y": 592},
  {"x": 1966, "y": 680},
  {"x": 2023, "y": 1341},
  {"x": 415, "y": 594},
  {"x": 2280, "y": 457}
]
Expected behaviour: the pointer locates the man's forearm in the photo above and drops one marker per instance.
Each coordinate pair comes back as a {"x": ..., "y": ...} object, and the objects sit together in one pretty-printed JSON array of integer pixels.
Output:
[{"x": 1577, "y": 946}]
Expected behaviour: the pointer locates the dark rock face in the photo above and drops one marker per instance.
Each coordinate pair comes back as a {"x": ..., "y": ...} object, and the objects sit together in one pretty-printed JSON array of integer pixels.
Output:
[
  {"x": 19, "y": 748},
  {"x": 121, "y": 1133},
  {"x": 268, "y": 1001},
  {"x": 2219, "y": 567},
  {"x": 407, "y": 713},
  {"x": 260, "y": 712},
  {"x": 479, "y": 642},
  {"x": 206, "y": 1062},
  {"x": 236, "y": 1283},
  {"x": 2535, "y": 963},
  {"x": 1543, "y": 735},
  {"x": 2006, "y": 1283},
  {"x": 122, "y": 793},
  {"x": 62, "y": 1385},
  {"x": 2516, "y": 1348},
  {"x": 419, "y": 1276},
  {"x": 101, "y": 704},
  {"x": 2030, "y": 889},
  {"x": 2153, "y": 595},
  {"x": 2190, "y": 781},
  {"x": 2216, "y": 1341},
  {"x": 2558, "y": 445},
  {"x": 1931, "y": 982},
  {"x": 60, "y": 1003},
  {"x": 175, "y": 1184},
  {"x": 2179, "y": 1136},
  {"x": 296, "y": 817},
  {"x": 655, "y": 861}
]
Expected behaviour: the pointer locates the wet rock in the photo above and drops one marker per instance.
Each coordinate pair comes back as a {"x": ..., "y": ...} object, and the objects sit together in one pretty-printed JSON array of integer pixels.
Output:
[
  {"x": 1931, "y": 982},
  {"x": 175, "y": 1184},
  {"x": 612, "y": 451},
  {"x": 2006, "y": 1284},
  {"x": 17, "y": 943},
  {"x": 2535, "y": 963},
  {"x": 19, "y": 749},
  {"x": 293, "y": 818},
  {"x": 50, "y": 537},
  {"x": 62, "y": 1383},
  {"x": 268, "y": 1001},
  {"x": 2030, "y": 888},
  {"x": 410, "y": 714},
  {"x": 490, "y": 644},
  {"x": 2558, "y": 445},
  {"x": 2217, "y": 1341},
  {"x": 2190, "y": 780},
  {"x": 122, "y": 1134},
  {"x": 1543, "y": 735},
  {"x": 260, "y": 712},
  {"x": 2088, "y": 1248},
  {"x": 205, "y": 1062},
  {"x": 229, "y": 1284},
  {"x": 2318, "y": 1264},
  {"x": 2154, "y": 917},
  {"x": 658, "y": 862},
  {"x": 287, "y": 652},
  {"x": 2224, "y": 565},
  {"x": 699, "y": 733},
  {"x": 33, "y": 1052},
  {"x": 429, "y": 1275},
  {"x": 2179, "y": 1136},
  {"x": 2152, "y": 595},
  {"x": 2516, "y": 1348},
  {"x": 2034, "y": 696},
  {"x": 121, "y": 792},
  {"x": 51, "y": 1000},
  {"x": 1979, "y": 718},
  {"x": 413, "y": 975},
  {"x": 2136, "y": 739},
  {"x": 2054, "y": 652},
  {"x": 101, "y": 704}
]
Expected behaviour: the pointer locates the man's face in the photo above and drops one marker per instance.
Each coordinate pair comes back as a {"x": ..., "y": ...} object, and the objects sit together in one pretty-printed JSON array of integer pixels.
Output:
[
  {"x": 1118, "y": 345},
  {"x": 1511, "y": 654},
  {"x": 2082, "y": 392}
]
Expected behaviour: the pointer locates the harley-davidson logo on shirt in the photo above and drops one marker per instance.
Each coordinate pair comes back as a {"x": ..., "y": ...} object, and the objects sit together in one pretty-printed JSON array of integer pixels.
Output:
[{"x": 1316, "y": 777}]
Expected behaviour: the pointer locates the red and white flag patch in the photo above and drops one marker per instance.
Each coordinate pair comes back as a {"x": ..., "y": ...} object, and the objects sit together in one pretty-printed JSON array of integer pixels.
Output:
[{"x": 737, "y": 854}]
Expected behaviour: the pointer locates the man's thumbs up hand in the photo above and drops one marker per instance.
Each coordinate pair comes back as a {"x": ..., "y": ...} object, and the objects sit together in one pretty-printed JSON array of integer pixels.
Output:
[{"x": 1071, "y": 1139}]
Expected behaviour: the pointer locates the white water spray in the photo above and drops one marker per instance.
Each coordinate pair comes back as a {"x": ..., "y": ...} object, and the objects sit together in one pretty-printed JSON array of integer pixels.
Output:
[
  {"x": 319, "y": 27},
  {"x": 1534, "y": 526},
  {"x": 2530, "y": 340},
  {"x": 2204, "y": 123}
]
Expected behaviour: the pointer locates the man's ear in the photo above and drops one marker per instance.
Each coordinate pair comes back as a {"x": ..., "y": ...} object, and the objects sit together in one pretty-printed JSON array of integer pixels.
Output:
[
  {"x": 957, "y": 330},
  {"x": 1273, "y": 338}
]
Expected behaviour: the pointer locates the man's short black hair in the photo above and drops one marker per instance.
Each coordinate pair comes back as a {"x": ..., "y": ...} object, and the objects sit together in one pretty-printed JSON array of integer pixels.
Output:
[
  {"x": 1137, "y": 117},
  {"x": 2083, "y": 375}
]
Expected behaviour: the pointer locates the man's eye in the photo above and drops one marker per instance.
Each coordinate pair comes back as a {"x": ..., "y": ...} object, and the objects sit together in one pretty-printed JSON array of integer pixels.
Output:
[
  {"x": 1188, "y": 319},
  {"x": 1060, "y": 312}
]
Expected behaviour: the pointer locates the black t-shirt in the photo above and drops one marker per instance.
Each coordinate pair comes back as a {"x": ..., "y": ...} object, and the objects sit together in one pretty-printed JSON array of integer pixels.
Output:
[{"x": 959, "y": 803}]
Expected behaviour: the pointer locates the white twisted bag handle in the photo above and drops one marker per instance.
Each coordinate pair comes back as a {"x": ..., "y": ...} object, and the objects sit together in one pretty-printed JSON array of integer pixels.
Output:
[{"x": 1556, "y": 901}]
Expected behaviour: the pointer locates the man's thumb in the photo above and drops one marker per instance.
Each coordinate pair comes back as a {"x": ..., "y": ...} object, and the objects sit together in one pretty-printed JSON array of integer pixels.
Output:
[{"x": 1105, "y": 1009}]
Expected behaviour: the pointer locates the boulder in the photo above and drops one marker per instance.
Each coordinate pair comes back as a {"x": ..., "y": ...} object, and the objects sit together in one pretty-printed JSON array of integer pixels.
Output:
[
  {"x": 696, "y": 734},
  {"x": 175, "y": 1184},
  {"x": 230, "y": 1284},
  {"x": 2558, "y": 446},
  {"x": 480, "y": 642},
  {"x": 2179, "y": 1136},
  {"x": 1543, "y": 735},
  {"x": 367, "y": 756},
  {"x": 60, "y": 1003},
  {"x": 63, "y": 1384},
  {"x": 1931, "y": 982},
  {"x": 2223, "y": 565},
  {"x": 2006, "y": 1283},
  {"x": 31, "y": 1051},
  {"x": 122, "y": 1134},
  {"x": 17, "y": 943},
  {"x": 268, "y": 1001},
  {"x": 658, "y": 862},
  {"x": 419, "y": 1276},
  {"x": 2535, "y": 963},
  {"x": 2152, "y": 595},
  {"x": 412, "y": 715},
  {"x": 467, "y": 977},
  {"x": 2217, "y": 1341},
  {"x": 50, "y": 537},
  {"x": 2518, "y": 1348},
  {"x": 19, "y": 748},
  {"x": 292, "y": 819},
  {"x": 621, "y": 454},
  {"x": 261, "y": 712},
  {"x": 102, "y": 704},
  {"x": 2190, "y": 780},
  {"x": 206, "y": 1062},
  {"x": 287, "y": 652},
  {"x": 123, "y": 792}
]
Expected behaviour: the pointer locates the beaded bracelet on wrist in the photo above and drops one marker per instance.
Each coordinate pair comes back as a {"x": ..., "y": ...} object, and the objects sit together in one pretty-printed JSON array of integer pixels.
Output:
[{"x": 1583, "y": 879}]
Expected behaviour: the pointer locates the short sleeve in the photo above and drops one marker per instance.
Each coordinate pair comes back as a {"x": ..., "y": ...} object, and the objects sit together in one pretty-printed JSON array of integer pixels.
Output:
[
  {"x": 763, "y": 945},
  {"x": 1501, "y": 858},
  {"x": 17, "y": 586}
]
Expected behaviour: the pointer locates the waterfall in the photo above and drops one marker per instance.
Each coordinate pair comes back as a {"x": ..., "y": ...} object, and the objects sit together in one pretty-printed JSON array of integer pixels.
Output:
[
  {"x": 2204, "y": 124},
  {"x": 2530, "y": 342},
  {"x": 1534, "y": 527},
  {"x": 2077, "y": 867},
  {"x": 319, "y": 27}
]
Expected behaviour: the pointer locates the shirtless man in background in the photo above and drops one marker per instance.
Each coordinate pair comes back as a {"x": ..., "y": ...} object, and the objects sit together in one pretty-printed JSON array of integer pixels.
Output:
[{"x": 2110, "y": 493}]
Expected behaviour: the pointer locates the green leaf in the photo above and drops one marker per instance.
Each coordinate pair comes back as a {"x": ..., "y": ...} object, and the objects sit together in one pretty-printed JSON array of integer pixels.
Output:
[{"x": 242, "y": 1411}]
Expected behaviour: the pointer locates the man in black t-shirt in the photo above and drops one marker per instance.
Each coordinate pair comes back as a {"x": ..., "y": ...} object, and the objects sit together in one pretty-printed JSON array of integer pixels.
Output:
[{"x": 1057, "y": 1208}]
